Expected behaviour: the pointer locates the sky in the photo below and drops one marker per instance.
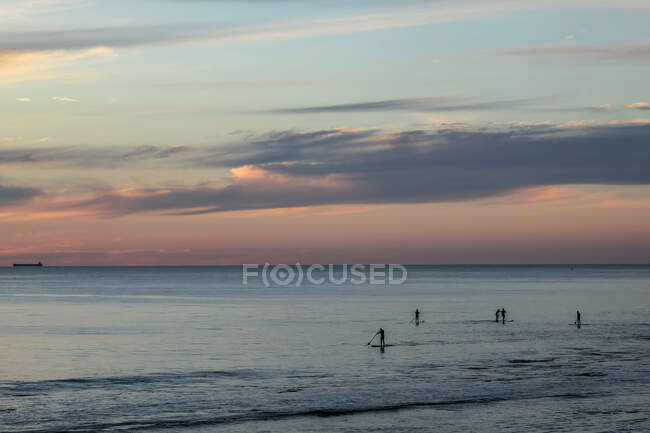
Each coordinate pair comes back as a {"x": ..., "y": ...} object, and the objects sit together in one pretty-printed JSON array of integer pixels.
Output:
[{"x": 214, "y": 132}]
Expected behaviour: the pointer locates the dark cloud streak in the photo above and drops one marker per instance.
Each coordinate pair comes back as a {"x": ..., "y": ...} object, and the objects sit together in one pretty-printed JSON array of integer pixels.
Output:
[
  {"x": 369, "y": 167},
  {"x": 80, "y": 157},
  {"x": 119, "y": 36},
  {"x": 429, "y": 104},
  {"x": 13, "y": 194},
  {"x": 634, "y": 51}
]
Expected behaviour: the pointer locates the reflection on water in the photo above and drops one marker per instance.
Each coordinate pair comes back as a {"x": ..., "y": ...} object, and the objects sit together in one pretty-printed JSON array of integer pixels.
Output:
[{"x": 104, "y": 349}]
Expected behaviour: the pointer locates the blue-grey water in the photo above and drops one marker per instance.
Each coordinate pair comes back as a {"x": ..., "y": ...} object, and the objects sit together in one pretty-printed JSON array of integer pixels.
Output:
[{"x": 191, "y": 349}]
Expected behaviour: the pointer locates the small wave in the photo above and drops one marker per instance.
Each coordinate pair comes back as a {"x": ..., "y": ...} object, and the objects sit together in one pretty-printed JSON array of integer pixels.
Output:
[
  {"x": 530, "y": 361},
  {"x": 290, "y": 390},
  {"x": 612, "y": 354},
  {"x": 572, "y": 395},
  {"x": 510, "y": 379},
  {"x": 389, "y": 408},
  {"x": 25, "y": 389},
  {"x": 589, "y": 374},
  {"x": 136, "y": 425},
  {"x": 261, "y": 415}
]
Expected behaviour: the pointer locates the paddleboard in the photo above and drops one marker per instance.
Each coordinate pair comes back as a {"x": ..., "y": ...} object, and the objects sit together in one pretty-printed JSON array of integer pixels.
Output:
[{"x": 385, "y": 345}]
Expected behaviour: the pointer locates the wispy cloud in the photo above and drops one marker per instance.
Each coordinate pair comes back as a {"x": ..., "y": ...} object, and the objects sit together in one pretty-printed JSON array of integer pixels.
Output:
[
  {"x": 23, "y": 100},
  {"x": 128, "y": 36},
  {"x": 428, "y": 104},
  {"x": 243, "y": 84},
  {"x": 91, "y": 38},
  {"x": 64, "y": 99},
  {"x": 639, "y": 106},
  {"x": 31, "y": 55},
  {"x": 418, "y": 13},
  {"x": 87, "y": 157},
  {"x": 603, "y": 108},
  {"x": 633, "y": 51},
  {"x": 17, "y": 66}
]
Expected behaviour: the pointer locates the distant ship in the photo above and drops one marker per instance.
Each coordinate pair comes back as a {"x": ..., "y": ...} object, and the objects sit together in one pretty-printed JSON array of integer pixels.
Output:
[{"x": 28, "y": 265}]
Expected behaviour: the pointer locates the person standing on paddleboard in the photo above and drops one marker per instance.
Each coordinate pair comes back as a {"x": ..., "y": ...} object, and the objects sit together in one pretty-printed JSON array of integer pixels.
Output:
[
  {"x": 578, "y": 318},
  {"x": 382, "y": 341},
  {"x": 503, "y": 315},
  {"x": 497, "y": 315},
  {"x": 416, "y": 320}
]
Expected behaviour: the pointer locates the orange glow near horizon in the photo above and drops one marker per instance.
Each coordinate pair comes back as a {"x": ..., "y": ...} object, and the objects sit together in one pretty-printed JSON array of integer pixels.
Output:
[{"x": 597, "y": 225}]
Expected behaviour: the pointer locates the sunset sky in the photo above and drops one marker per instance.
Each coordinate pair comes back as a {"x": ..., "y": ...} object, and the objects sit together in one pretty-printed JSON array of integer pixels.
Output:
[{"x": 162, "y": 132}]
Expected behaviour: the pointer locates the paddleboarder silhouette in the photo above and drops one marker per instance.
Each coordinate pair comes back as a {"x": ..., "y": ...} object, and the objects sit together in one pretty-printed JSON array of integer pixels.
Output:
[{"x": 382, "y": 341}]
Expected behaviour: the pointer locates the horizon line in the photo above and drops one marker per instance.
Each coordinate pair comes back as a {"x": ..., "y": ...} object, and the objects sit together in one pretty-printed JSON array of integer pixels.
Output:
[{"x": 340, "y": 264}]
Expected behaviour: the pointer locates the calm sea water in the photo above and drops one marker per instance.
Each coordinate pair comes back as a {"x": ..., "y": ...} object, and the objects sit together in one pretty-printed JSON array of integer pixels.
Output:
[{"x": 190, "y": 349}]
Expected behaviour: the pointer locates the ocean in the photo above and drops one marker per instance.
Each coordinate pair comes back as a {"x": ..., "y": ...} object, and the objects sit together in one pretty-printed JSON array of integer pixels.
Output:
[{"x": 191, "y": 349}]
